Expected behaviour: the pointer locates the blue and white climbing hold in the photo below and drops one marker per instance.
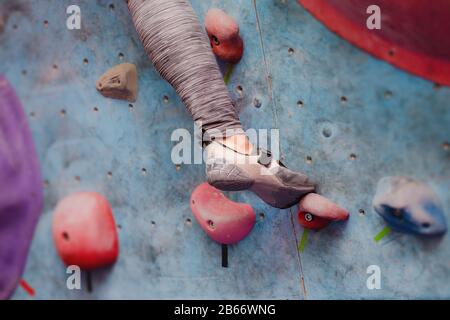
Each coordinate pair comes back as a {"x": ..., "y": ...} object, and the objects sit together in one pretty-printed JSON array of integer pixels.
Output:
[{"x": 409, "y": 206}]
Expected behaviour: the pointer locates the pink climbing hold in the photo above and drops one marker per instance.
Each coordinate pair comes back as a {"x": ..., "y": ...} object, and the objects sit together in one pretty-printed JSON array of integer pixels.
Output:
[
  {"x": 84, "y": 231},
  {"x": 316, "y": 212},
  {"x": 223, "y": 33},
  {"x": 223, "y": 220}
]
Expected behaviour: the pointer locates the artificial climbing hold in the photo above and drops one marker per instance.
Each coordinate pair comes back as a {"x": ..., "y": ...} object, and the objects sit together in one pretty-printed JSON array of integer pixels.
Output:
[
  {"x": 119, "y": 82},
  {"x": 409, "y": 206},
  {"x": 84, "y": 231},
  {"x": 20, "y": 189},
  {"x": 316, "y": 212},
  {"x": 225, "y": 221},
  {"x": 310, "y": 221},
  {"x": 223, "y": 33}
]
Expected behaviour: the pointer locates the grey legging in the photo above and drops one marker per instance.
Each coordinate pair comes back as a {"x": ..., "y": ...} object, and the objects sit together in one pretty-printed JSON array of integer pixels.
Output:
[{"x": 180, "y": 50}]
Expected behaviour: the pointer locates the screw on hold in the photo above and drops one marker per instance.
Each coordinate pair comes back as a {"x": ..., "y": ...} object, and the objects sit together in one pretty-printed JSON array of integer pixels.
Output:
[
  {"x": 308, "y": 217},
  {"x": 216, "y": 41}
]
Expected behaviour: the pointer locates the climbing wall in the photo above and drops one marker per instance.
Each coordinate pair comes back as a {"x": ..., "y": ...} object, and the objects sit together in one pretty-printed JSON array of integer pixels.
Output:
[{"x": 345, "y": 118}]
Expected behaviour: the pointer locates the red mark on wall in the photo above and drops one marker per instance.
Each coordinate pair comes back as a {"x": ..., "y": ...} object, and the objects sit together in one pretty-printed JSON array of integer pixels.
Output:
[{"x": 27, "y": 287}]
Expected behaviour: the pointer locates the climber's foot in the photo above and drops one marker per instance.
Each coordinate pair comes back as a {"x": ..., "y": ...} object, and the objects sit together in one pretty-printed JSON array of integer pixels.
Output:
[{"x": 230, "y": 170}]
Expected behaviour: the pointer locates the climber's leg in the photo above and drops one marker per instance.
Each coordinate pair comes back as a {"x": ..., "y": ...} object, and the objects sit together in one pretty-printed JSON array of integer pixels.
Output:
[{"x": 180, "y": 50}]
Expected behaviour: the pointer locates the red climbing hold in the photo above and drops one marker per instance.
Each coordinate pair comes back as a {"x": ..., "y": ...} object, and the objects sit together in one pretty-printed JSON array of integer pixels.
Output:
[
  {"x": 225, "y": 221},
  {"x": 84, "y": 231},
  {"x": 310, "y": 221},
  {"x": 413, "y": 34},
  {"x": 223, "y": 32},
  {"x": 316, "y": 212}
]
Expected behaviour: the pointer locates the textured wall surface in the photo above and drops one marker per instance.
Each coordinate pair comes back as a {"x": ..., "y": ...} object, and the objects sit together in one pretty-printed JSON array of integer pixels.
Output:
[{"x": 391, "y": 122}]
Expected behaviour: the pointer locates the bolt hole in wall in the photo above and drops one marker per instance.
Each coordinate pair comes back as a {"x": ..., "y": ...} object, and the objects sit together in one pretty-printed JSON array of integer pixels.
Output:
[
  {"x": 188, "y": 222},
  {"x": 361, "y": 212},
  {"x": 300, "y": 104},
  {"x": 309, "y": 160},
  {"x": 291, "y": 51},
  {"x": 388, "y": 94},
  {"x": 240, "y": 90},
  {"x": 95, "y": 109},
  {"x": 130, "y": 107},
  {"x": 344, "y": 99},
  {"x": 165, "y": 99},
  {"x": 62, "y": 113},
  {"x": 327, "y": 133},
  {"x": 153, "y": 223},
  {"x": 257, "y": 103},
  {"x": 85, "y": 61},
  {"x": 45, "y": 23},
  {"x": 262, "y": 216},
  {"x": 121, "y": 56},
  {"x": 446, "y": 146},
  {"x": 352, "y": 156},
  {"x": 144, "y": 171}
]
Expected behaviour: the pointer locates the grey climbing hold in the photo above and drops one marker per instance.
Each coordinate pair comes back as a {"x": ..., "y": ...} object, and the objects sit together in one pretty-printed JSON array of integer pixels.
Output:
[
  {"x": 409, "y": 206},
  {"x": 119, "y": 82}
]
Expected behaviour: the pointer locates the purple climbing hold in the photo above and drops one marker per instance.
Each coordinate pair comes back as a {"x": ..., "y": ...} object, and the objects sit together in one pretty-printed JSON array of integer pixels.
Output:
[
  {"x": 409, "y": 206},
  {"x": 20, "y": 189}
]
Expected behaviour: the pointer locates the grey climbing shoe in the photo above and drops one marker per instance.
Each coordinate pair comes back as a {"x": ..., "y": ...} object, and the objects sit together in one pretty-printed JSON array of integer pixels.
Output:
[{"x": 229, "y": 170}]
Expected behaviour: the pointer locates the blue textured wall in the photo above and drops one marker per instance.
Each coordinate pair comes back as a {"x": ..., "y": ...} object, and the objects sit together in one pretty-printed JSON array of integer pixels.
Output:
[{"x": 393, "y": 122}]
